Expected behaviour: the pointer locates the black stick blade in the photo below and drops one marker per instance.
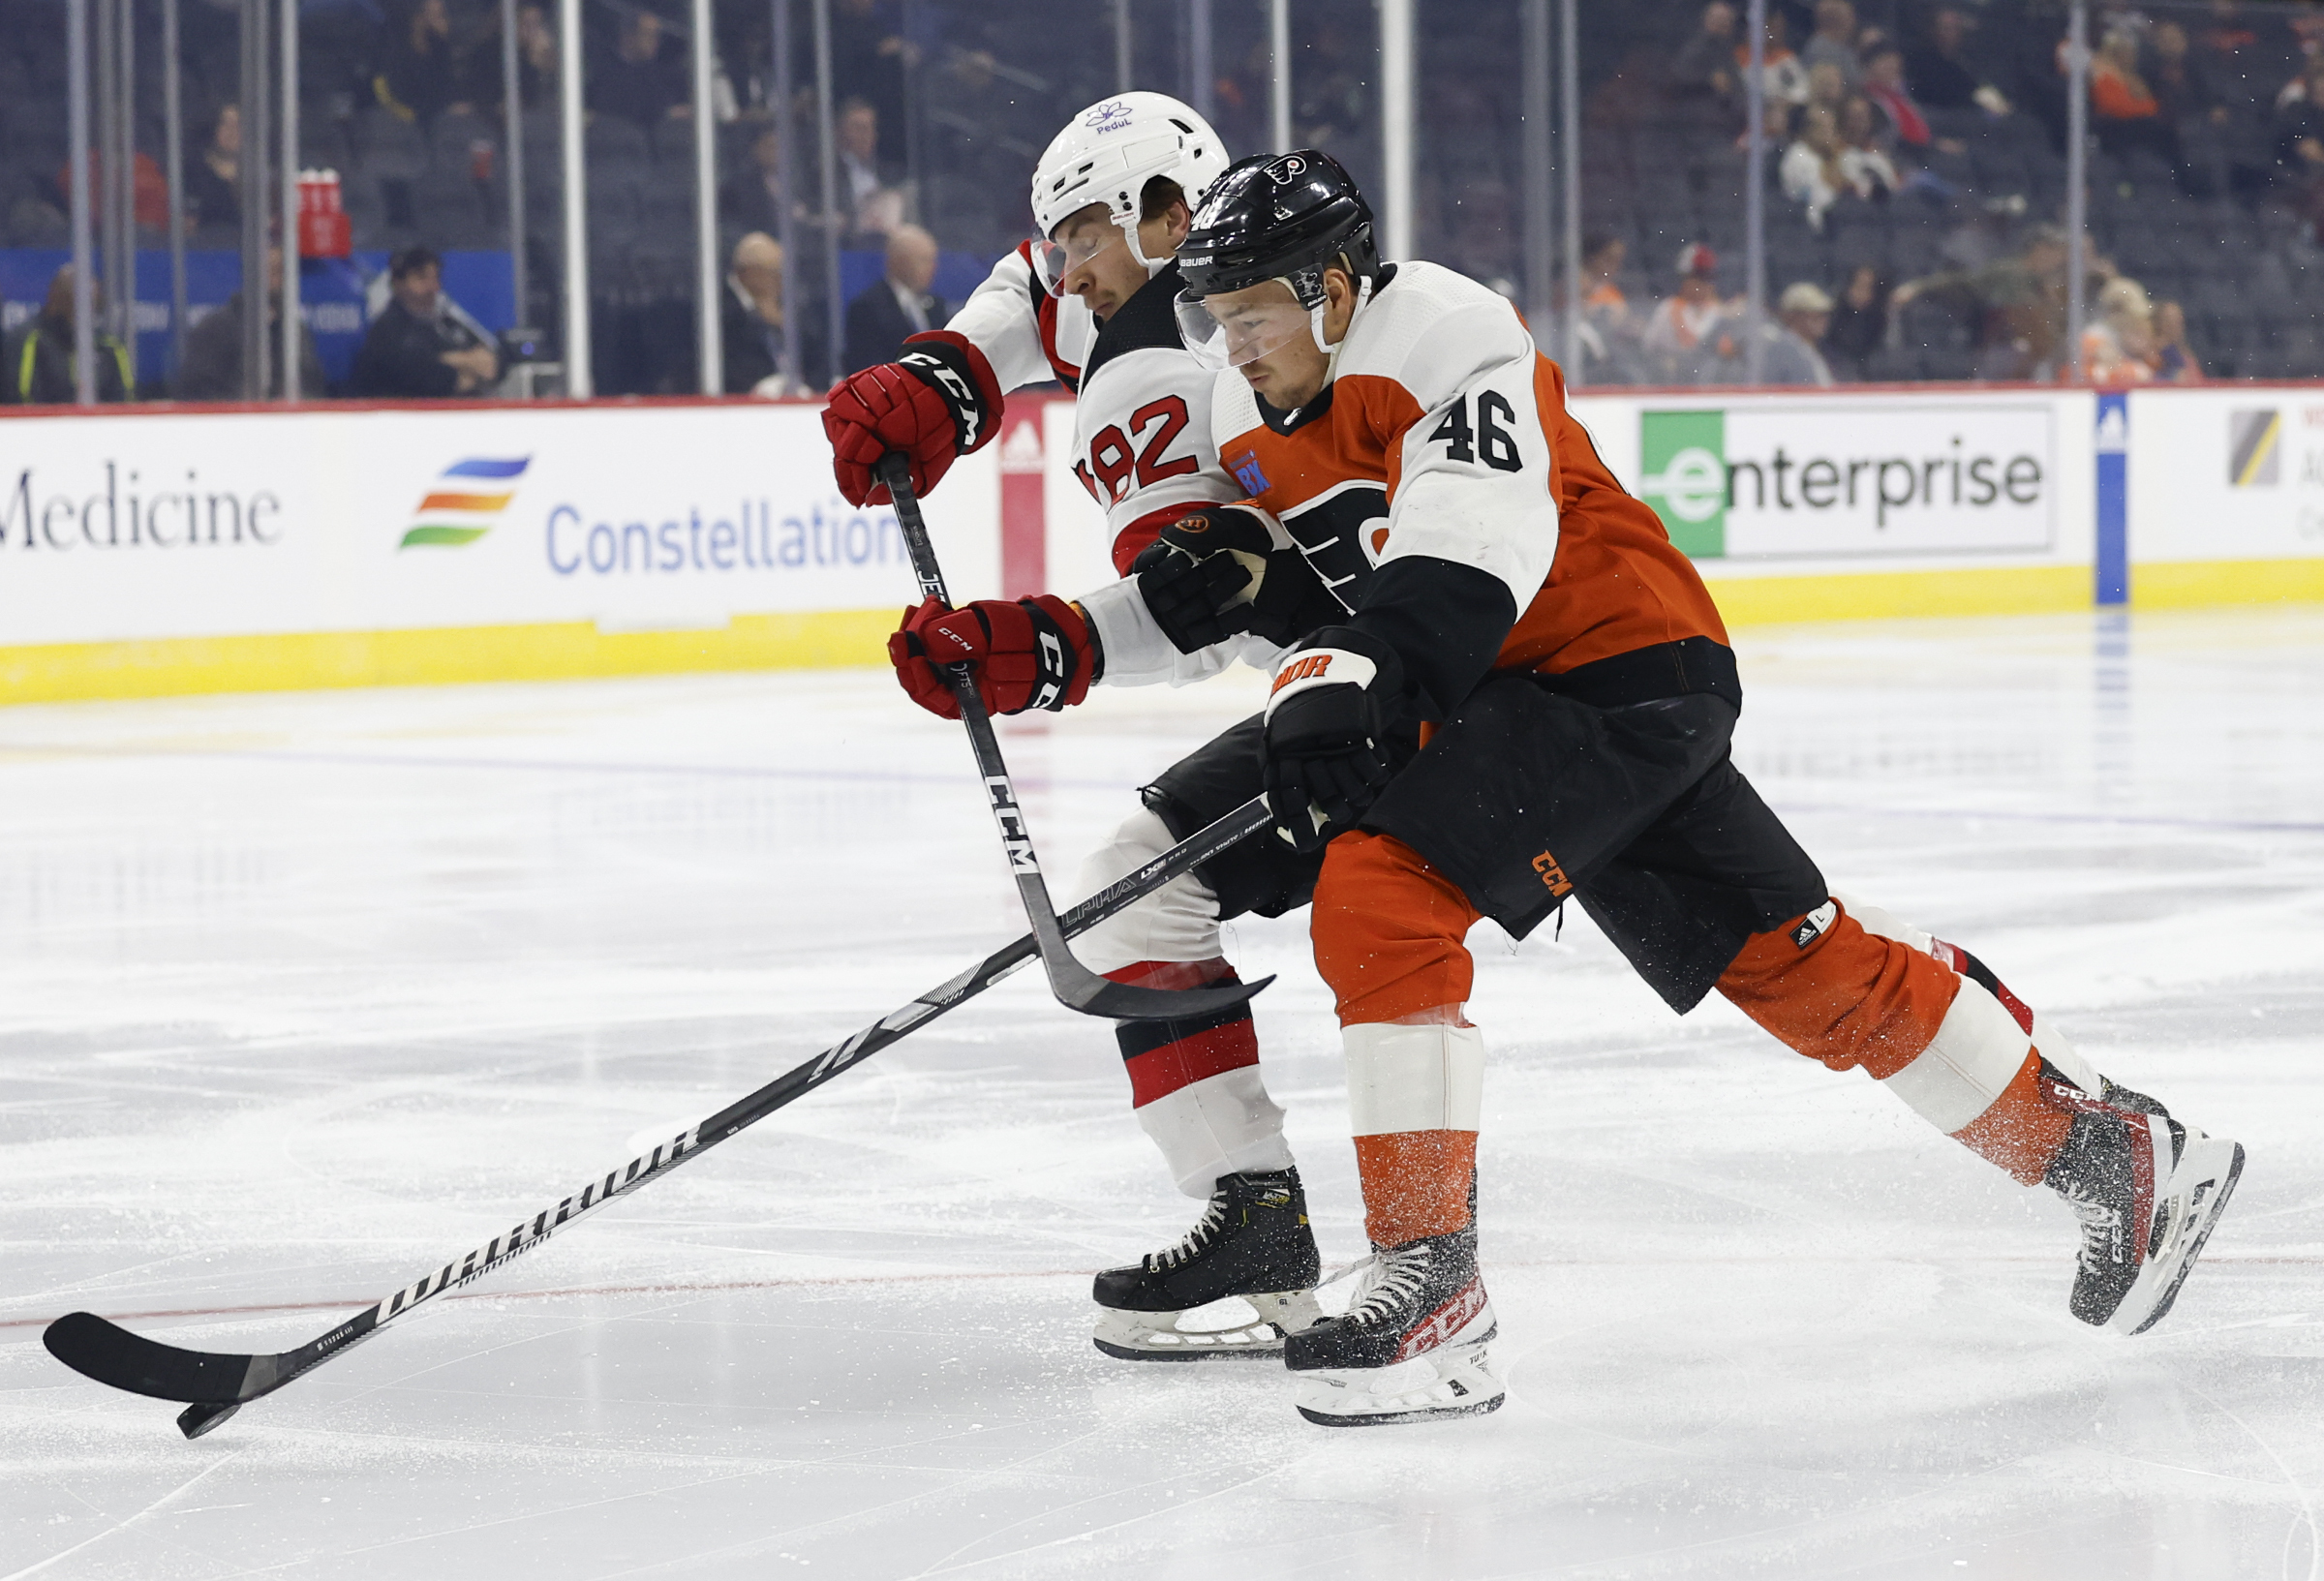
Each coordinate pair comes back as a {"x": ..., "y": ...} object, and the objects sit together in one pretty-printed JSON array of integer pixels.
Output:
[
  {"x": 196, "y": 1420},
  {"x": 1124, "y": 1003},
  {"x": 104, "y": 1350}
]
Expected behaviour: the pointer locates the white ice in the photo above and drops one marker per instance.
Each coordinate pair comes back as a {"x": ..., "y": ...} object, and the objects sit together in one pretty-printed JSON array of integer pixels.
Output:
[{"x": 302, "y": 995}]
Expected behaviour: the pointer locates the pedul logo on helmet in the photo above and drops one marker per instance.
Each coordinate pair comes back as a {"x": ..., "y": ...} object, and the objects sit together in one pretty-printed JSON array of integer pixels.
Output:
[{"x": 1111, "y": 117}]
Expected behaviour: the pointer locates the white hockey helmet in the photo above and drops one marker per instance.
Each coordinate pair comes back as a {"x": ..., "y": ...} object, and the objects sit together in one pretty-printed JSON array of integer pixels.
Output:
[{"x": 1110, "y": 151}]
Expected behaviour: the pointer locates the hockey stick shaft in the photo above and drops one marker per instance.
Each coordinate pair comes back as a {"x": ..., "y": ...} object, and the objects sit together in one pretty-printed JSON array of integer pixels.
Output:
[
  {"x": 1076, "y": 987},
  {"x": 216, "y": 1384}
]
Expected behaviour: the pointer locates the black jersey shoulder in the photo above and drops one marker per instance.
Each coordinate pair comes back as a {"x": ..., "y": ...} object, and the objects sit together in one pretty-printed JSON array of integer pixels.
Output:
[{"x": 1148, "y": 321}]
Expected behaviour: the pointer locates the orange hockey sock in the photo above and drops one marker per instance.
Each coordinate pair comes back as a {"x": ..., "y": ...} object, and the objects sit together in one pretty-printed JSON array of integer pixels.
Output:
[
  {"x": 1416, "y": 1184},
  {"x": 2023, "y": 1130}
]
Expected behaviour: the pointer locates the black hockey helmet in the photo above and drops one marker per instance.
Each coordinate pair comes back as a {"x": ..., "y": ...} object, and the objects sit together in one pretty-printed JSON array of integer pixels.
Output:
[{"x": 1279, "y": 217}]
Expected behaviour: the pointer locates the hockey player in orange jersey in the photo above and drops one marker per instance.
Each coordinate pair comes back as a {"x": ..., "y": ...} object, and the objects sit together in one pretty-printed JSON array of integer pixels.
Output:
[{"x": 1526, "y": 697}]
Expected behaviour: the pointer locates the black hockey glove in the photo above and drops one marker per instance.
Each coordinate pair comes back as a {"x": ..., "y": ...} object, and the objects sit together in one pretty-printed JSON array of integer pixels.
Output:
[
  {"x": 1324, "y": 751},
  {"x": 1215, "y": 574},
  {"x": 1197, "y": 577}
]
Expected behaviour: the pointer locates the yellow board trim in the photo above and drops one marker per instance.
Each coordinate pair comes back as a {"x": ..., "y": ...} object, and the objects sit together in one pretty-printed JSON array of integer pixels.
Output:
[
  {"x": 1872, "y": 595},
  {"x": 2196, "y": 584},
  {"x": 298, "y": 662},
  {"x": 308, "y": 660}
]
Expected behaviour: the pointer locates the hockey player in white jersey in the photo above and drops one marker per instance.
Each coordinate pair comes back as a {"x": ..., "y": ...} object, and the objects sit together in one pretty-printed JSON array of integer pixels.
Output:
[{"x": 1089, "y": 302}]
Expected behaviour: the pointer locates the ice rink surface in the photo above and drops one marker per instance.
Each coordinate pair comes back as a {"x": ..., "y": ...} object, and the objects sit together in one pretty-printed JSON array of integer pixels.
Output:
[{"x": 303, "y": 994}]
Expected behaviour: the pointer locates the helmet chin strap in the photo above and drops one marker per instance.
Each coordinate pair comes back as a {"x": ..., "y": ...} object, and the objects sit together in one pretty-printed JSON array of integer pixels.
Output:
[
  {"x": 1129, "y": 233},
  {"x": 1315, "y": 327}
]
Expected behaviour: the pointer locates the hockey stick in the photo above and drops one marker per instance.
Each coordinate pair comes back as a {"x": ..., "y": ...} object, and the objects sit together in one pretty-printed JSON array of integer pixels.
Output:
[
  {"x": 1074, "y": 985},
  {"x": 216, "y": 1384}
]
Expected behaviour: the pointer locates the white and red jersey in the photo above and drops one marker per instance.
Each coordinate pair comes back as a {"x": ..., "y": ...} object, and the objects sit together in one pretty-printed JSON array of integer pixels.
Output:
[{"x": 1141, "y": 434}]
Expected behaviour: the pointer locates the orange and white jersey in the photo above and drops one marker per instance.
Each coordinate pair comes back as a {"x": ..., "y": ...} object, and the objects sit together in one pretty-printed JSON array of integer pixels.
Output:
[
  {"x": 1142, "y": 440},
  {"x": 1443, "y": 436}
]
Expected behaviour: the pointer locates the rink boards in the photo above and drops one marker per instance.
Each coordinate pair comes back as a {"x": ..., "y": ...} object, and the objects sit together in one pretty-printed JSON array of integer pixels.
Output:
[{"x": 231, "y": 550}]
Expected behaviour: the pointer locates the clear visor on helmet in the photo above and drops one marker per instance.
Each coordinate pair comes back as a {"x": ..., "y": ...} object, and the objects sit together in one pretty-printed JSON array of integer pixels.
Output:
[
  {"x": 1079, "y": 239},
  {"x": 1239, "y": 328}
]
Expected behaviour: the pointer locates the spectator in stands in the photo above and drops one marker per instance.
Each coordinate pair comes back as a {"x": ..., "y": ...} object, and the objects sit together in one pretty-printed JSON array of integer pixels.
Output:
[
  {"x": 1827, "y": 86},
  {"x": 873, "y": 207},
  {"x": 1812, "y": 172},
  {"x": 1885, "y": 85},
  {"x": 1602, "y": 301},
  {"x": 2118, "y": 348},
  {"x": 897, "y": 304},
  {"x": 2122, "y": 106},
  {"x": 416, "y": 350},
  {"x": 1835, "y": 43},
  {"x": 41, "y": 369},
  {"x": 2175, "y": 361},
  {"x": 1680, "y": 339},
  {"x": 869, "y": 53},
  {"x": 1791, "y": 345},
  {"x": 2184, "y": 87},
  {"x": 2299, "y": 137},
  {"x": 752, "y": 325},
  {"x": 646, "y": 78},
  {"x": 1938, "y": 77},
  {"x": 1869, "y": 171},
  {"x": 213, "y": 195},
  {"x": 537, "y": 62},
  {"x": 152, "y": 188},
  {"x": 1782, "y": 74},
  {"x": 1859, "y": 323},
  {"x": 2017, "y": 305},
  {"x": 213, "y": 369},
  {"x": 417, "y": 77},
  {"x": 753, "y": 198},
  {"x": 1704, "y": 71},
  {"x": 1610, "y": 325}
]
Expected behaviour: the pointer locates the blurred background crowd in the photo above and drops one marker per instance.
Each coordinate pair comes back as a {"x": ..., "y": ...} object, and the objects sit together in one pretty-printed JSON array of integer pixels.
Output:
[{"x": 1914, "y": 174}]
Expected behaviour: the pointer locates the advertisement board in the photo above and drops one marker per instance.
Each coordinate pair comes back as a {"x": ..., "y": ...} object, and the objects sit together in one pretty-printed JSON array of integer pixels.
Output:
[
  {"x": 2227, "y": 474},
  {"x": 1797, "y": 480},
  {"x": 208, "y": 549},
  {"x": 629, "y": 519}
]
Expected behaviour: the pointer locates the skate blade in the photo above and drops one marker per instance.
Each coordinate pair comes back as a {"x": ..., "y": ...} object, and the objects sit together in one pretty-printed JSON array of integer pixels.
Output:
[
  {"x": 1164, "y": 1336},
  {"x": 1454, "y": 1382},
  {"x": 2206, "y": 1175}
]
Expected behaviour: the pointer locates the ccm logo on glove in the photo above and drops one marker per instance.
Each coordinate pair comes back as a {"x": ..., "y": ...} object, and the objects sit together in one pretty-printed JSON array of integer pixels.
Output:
[{"x": 1035, "y": 653}]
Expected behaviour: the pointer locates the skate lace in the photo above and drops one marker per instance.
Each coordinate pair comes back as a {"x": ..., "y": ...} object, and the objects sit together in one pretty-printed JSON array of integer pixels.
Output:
[
  {"x": 1390, "y": 1281},
  {"x": 1206, "y": 1230},
  {"x": 2101, "y": 1224}
]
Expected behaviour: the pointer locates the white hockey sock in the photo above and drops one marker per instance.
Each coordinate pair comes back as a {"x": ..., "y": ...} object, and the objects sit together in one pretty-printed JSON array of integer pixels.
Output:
[{"x": 1224, "y": 1124}]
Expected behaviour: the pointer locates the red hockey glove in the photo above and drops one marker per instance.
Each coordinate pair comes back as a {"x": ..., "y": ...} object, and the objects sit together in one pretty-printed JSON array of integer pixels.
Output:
[
  {"x": 940, "y": 400},
  {"x": 1036, "y": 653},
  {"x": 1323, "y": 752}
]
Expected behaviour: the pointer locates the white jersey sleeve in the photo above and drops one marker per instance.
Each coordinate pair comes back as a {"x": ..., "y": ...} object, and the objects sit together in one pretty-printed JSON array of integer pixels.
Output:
[
  {"x": 1027, "y": 335},
  {"x": 1475, "y": 464}
]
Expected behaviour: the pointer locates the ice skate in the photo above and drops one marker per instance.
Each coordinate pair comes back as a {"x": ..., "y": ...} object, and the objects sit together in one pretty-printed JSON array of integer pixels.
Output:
[
  {"x": 1411, "y": 1345},
  {"x": 2147, "y": 1191},
  {"x": 1243, "y": 1278}
]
